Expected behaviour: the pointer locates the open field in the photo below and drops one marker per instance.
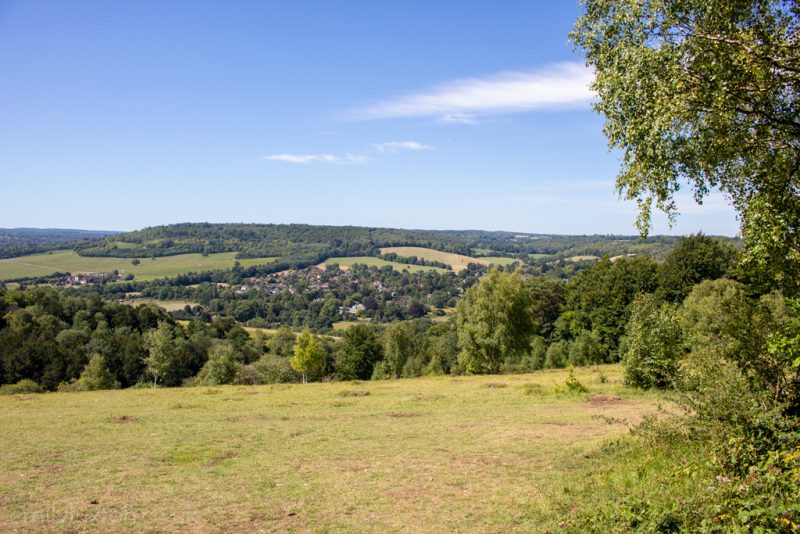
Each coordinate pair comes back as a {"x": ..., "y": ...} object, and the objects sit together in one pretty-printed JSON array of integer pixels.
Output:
[
  {"x": 456, "y": 261},
  {"x": 167, "y": 305},
  {"x": 583, "y": 258},
  {"x": 443, "y": 454},
  {"x": 252, "y": 330},
  {"x": 148, "y": 269},
  {"x": 500, "y": 260},
  {"x": 344, "y": 325},
  {"x": 377, "y": 262}
]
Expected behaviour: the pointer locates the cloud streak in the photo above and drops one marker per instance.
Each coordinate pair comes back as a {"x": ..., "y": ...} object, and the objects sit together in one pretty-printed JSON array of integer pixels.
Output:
[
  {"x": 307, "y": 159},
  {"x": 393, "y": 147},
  {"x": 561, "y": 85},
  {"x": 389, "y": 147}
]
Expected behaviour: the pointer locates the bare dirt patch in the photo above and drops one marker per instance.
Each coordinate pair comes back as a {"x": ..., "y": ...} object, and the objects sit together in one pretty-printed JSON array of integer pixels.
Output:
[
  {"x": 122, "y": 419},
  {"x": 603, "y": 400}
]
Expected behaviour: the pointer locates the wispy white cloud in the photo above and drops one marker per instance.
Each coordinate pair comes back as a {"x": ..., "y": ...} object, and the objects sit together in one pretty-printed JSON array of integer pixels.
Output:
[
  {"x": 393, "y": 147},
  {"x": 390, "y": 147},
  {"x": 306, "y": 159},
  {"x": 557, "y": 86},
  {"x": 457, "y": 118}
]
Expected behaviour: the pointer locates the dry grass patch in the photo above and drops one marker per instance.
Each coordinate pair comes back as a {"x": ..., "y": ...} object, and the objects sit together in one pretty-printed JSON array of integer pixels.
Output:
[
  {"x": 458, "y": 262},
  {"x": 436, "y": 454}
]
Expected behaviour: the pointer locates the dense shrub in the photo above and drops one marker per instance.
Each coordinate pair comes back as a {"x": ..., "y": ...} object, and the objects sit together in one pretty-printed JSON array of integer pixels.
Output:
[
  {"x": 25, "y": 385},
  {"x": 95, "y": 376},
  {"x": 273, "y": 369},
  {"x": 652, "y": 347},
  {"x": 221, "y": 365}
]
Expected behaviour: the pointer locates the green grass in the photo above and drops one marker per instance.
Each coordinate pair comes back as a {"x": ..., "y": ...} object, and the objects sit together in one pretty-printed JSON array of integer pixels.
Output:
[
  {"x": 148, "y": 269},
  {"x": 444, "y": 454},
  {"x": 377, "y": 262},
  {"x": 499, "y": 260}
]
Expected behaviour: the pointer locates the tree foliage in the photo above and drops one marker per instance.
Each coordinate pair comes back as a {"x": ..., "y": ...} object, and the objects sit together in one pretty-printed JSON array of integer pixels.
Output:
[
  {"x": 220, "y": 368},
  {"x": 599, "y": 298},
  {"x": 309, "y": 357},
  {"x": 160, "y": 345},
  {"x": 653, "y": 344},
  {"x": 96, "y": 375},
  {"x": 495, "y": 322},
  {"x": 360, "y": 350},
  {"x": 405, "y": 348},
  {"x": 695, "y": 258},
  {"x": 704, "y": 93}
]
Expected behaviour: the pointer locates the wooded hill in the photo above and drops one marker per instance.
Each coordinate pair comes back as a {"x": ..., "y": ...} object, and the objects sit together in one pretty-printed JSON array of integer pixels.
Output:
[{"x": 317, "y": 243}]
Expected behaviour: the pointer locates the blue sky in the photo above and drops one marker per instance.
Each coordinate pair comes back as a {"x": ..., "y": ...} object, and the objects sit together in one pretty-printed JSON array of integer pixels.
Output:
[{"x": 448, "y": 115}]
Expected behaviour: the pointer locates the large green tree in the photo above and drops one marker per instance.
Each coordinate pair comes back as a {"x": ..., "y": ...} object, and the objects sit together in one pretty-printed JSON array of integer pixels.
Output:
[
  {"x": 495, "y": 322},
  {"x": 696, "y": 258},
  {"x": 360, "y": 350},
  {"x": 703, "y": 94}
]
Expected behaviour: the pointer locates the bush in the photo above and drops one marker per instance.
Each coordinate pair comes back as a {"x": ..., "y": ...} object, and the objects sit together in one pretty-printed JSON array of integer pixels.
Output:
[
  {"x": 95, "y": 376},
  {"x": 557, "y": 355},
  {"x": 23, "y": 386},
  {"x": 275, "y": 370},
  {"x": 572, "y": 382},
  {"x": 220, "y": 367},
  {"x": 246, "y": 375},
  {"x": 652, "y": 347},
  {"x": 586, "y": 349}
]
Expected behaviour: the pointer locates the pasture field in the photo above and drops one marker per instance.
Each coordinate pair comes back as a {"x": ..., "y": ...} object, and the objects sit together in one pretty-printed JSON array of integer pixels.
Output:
[
  {"x": 253, "y": 330},
  {"x": 440, "y": 454},
  {"x": 149, "y": 268},
  {"x": 377, "y": 262},
  {"x": 583, "y": 258},
  {"x": 167, "y": 305},
  {"x": 339, "y": 326},
  {"x": 456, "y": 261},
  {"x": 500, "y": 260}
]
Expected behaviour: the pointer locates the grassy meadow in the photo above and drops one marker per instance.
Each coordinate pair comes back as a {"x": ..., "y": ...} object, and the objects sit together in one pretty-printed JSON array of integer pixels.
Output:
[
  {"x": 456, "y": 261},
  {"x": 442, "y": 454},
  {"x": 369, "y": 261},
  {"x": 500, "y": 260},
  {"x": 149, "y": 268}
]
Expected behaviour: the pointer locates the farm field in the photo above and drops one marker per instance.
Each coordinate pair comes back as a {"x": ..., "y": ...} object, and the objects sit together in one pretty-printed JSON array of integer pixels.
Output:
[
  {"x": 168, "y": 305},
  {"x": 456, "y": 261},
  {"x": 441, "y": 454},
  {"x": 377, "y": 262},
  {"x": 583, "y": 258},
  {"x": 149, "y": 269},
  {"x": 339, "y": 326},
  {"x": 500, "y": 260}
]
